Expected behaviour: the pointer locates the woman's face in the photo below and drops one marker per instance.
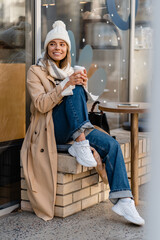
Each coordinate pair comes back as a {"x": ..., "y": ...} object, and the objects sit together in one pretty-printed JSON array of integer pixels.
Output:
[{"x": 57, "y": 50}]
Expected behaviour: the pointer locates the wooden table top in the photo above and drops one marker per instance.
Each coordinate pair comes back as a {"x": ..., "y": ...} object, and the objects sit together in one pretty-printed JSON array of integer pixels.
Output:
[{"x": 114, "y": 107}]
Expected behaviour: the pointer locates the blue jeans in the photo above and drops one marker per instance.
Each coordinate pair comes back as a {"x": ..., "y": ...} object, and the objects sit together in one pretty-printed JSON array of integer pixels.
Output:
[{"x": 71, "y": 115}]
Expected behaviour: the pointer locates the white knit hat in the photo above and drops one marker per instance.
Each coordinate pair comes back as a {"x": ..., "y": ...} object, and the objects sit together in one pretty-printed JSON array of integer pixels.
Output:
[{"x": 58, "y": 32}]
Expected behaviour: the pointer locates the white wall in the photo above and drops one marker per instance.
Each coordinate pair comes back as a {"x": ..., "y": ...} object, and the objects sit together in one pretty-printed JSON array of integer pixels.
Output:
[{"x": 154, "y": 189}]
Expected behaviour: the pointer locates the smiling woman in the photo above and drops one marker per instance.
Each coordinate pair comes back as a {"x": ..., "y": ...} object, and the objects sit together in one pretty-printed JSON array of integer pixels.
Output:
[
  {"x": 59, "y": 115},
  {"x": 57, "y": 50},
  {"x": 50, "y": 83}
]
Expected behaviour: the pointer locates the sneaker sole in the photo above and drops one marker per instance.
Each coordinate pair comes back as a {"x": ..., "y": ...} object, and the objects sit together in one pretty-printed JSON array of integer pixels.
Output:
[
  {"x": 132, "y": 221},
  {"x": 128, "y": 218},
  {"x": 72, "y": 153}
]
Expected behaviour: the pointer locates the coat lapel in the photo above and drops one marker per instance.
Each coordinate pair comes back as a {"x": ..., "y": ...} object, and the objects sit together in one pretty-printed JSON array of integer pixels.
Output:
[{"x": 51, "y": 79}]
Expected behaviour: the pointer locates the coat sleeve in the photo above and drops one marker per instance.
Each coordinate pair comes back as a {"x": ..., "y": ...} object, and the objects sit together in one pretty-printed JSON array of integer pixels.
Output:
[{"x": 43, "y": 102}]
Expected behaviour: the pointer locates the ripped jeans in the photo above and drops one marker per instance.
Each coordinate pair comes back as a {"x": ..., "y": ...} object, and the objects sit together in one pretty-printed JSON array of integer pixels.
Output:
[{"x": 70, "y": 118}]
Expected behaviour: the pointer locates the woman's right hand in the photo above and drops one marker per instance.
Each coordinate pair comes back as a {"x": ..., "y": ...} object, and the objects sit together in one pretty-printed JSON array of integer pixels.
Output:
[{"x": 77, "y": 78}]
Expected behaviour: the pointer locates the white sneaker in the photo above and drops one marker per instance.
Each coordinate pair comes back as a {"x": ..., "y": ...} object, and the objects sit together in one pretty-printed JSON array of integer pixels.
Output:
[
  {"x": 126, "y": 207},
  {"x": 82, "y": 152}
]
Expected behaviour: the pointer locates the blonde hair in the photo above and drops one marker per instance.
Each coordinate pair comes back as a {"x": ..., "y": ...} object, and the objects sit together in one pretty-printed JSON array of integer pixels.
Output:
[{"x": 63, "y": 63}]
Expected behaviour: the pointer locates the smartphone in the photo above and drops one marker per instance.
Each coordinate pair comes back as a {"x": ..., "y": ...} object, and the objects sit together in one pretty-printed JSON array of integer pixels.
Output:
[{"x": 136, "y": 105}]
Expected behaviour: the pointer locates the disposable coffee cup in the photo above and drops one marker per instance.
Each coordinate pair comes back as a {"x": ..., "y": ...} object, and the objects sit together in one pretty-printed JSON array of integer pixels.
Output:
[{"x": 78, "y": 68}]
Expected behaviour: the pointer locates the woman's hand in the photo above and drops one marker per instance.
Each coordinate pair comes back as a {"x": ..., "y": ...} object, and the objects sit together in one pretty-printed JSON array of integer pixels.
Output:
[{"x": 77, "y": 78}]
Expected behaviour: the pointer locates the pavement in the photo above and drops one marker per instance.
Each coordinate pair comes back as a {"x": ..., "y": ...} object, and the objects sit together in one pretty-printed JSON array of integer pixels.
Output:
[{"x": 95, "y": 223}]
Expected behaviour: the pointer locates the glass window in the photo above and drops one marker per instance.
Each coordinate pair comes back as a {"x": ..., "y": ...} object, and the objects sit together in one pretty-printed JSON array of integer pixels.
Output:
[
  {"x": 91, "y": 24},
  {"x": 110, "y": 48},
  {"x": 15, "y": 54},
  {"x": 103, "y": 30},
  {"x": 142, "y": 65},
  {"x": 12, "y": 70}
]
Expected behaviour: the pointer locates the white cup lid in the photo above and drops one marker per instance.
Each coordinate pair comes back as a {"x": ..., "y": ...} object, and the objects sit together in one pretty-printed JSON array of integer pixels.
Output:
[{"x": 76, "y": 67}]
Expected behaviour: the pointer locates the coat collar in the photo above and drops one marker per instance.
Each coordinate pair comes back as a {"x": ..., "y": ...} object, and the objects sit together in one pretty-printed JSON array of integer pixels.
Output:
[{"x": 48, "y": 76}]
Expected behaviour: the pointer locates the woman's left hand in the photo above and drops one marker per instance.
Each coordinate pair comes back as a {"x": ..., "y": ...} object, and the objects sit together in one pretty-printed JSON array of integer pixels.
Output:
[{"x": 85, "y": 78}]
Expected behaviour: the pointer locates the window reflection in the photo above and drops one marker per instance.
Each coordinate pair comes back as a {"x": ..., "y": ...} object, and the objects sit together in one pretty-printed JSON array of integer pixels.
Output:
[
  {"x": 142, "y": 74},
  {"x": 91, "y": 24},
  {"x": 12, "y": 31},
  {"x": 100, "y": 34},
  {"x": 12, "y": 97}
]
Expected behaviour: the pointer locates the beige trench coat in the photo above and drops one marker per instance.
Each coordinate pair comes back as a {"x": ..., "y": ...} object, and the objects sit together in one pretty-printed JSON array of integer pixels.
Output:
[{"x": 39, "y": 152}]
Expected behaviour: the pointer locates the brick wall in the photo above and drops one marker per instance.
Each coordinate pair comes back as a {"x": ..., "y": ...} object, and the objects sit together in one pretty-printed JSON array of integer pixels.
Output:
[{"x": 80, "y": 187}]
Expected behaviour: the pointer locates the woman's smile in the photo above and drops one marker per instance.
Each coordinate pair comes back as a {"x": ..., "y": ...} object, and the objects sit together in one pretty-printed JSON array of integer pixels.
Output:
[{"x": 57, "y": 53}]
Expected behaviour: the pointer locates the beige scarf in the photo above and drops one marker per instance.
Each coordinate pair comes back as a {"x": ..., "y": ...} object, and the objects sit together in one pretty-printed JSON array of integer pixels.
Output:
[{"x": 57, "y": 73}]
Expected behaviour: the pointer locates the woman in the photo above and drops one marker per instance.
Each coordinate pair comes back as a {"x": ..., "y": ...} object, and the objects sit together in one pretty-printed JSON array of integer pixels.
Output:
[{"x": 58, "y": 115}]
